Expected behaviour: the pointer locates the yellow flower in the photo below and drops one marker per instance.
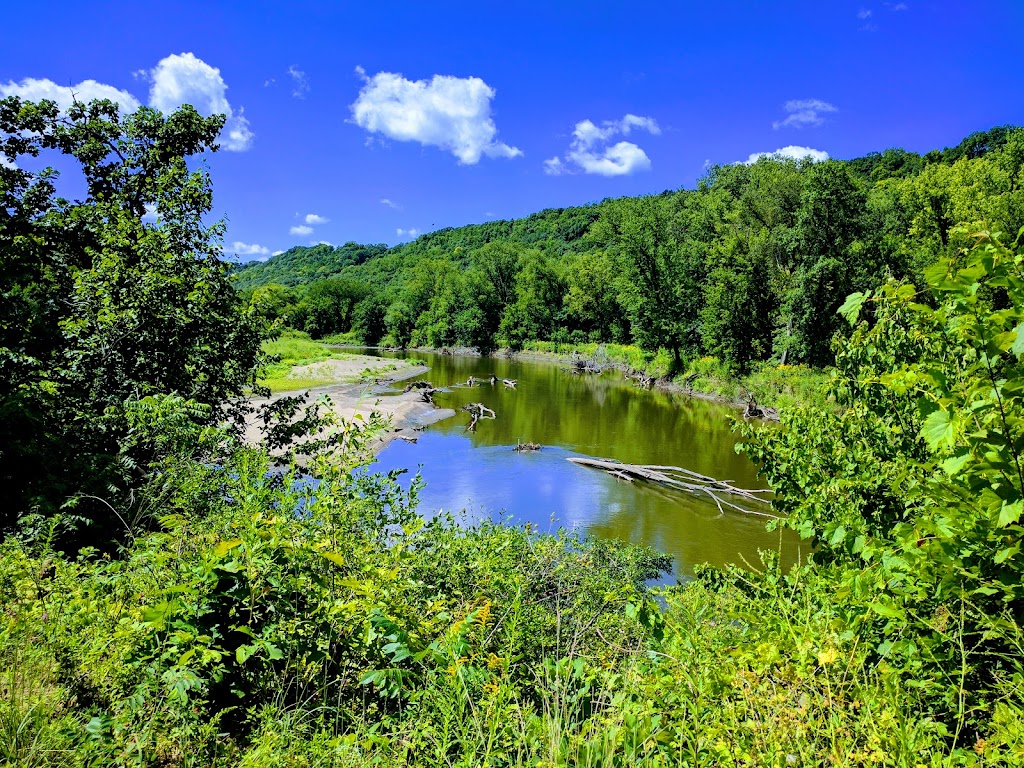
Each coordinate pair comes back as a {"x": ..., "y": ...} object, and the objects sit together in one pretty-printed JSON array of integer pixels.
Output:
[{"x": 826, "y": 657}]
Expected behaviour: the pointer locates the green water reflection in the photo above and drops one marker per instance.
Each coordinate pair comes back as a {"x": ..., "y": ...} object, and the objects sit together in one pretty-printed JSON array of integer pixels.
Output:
[{"x": 601, "y": 416}]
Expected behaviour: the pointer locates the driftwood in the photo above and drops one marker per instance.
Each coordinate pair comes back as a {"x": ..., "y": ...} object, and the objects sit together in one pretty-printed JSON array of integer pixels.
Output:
[
  {"x": 418, "y": 385},
  {"x": 526, "y": 447},
  {"x": 642, "y": 379},
  {"x": 683, "y": 480},
  {"x": 477, "y": 411},
  {"x": 581, "y": 365},
  {"x": 408, "y": 438},
  {"x": 510, "y": 383},
  {"x": 427, "y": 395},
  {"x": 754, "y": 410}
]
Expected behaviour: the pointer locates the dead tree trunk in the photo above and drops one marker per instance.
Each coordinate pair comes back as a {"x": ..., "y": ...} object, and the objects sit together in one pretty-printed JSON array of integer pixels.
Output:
[
  {"x": 683, "y": 480},
  {"x": 477, "y": 411}
]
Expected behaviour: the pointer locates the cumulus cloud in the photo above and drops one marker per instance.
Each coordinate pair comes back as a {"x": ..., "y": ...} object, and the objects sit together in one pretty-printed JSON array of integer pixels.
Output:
[
  {"x": 591, "y": 150},
  {"x": 246, "y": 249},
  {"x": 452, "y": 113},
  {"x": 300, "y": 83},
  {"x": 312, "y": 218},
  {"x": 790, "y": 153},
  {"x": 185, "y": 79},
  {"x": 804, "y": 113},
  {"x": 411, "y": 233},
  {"x": 301, "y": 230},
  {"x": 32, "y": 89},
  {"x": 277, "y": 253},
  {"x": 390, "y": 203}
]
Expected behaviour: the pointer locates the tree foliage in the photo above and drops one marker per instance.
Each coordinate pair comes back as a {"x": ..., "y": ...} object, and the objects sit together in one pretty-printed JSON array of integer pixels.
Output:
[{"x": 103, "y": 307}]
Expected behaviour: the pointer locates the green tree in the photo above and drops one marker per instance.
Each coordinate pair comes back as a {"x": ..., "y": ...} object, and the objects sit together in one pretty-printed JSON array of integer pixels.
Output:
[
  {"x": 100, "y": 308},
  {"x": 329, "y": 306},
  {"x": 656, "y": 286}
]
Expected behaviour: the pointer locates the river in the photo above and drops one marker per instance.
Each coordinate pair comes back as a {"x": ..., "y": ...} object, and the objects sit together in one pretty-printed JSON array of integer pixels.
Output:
[{"x": 477, "y": 473}]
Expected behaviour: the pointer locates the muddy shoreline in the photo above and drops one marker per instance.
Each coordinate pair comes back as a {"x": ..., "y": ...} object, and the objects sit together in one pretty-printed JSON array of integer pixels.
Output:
[{"x": 407, "y": 412}]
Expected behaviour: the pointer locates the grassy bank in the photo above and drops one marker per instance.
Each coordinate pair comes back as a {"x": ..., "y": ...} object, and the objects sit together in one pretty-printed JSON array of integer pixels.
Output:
[
  {"x": 302, "y": 363},
  {"x": 770, "y": 384}
]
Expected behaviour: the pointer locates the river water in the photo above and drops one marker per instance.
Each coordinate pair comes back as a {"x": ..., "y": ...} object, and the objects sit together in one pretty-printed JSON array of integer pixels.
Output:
[{"x": 478, "y": 474}]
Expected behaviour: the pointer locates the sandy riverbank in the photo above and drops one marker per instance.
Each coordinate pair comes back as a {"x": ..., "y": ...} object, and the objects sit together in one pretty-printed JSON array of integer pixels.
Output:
[{"x": 362, "y": 385}]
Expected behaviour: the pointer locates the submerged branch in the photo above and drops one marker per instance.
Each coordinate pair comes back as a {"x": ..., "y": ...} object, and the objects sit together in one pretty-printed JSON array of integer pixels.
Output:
[{"x": 683, "y": 480}]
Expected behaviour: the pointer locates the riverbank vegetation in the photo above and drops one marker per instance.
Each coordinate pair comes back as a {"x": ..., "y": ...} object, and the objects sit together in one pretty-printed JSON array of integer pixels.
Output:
[
  {"x": 749, "y": 268},
  {"x": 168, "y": 601}
]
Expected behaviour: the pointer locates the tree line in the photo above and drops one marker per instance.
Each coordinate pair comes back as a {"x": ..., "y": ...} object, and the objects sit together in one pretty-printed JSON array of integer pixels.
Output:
[{"x": 749, "y": 266}]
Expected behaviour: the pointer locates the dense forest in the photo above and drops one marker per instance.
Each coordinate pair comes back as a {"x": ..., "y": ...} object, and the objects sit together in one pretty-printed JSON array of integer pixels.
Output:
[
  {"x": 751, "y": 266},
  {"x": 167, "y": 601}
]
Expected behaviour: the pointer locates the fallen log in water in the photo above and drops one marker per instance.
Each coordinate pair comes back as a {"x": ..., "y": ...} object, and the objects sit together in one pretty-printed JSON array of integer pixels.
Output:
[
  {"x": 477, "y": 411},
  {"x": 510, "y": 383},
  {"x": 526, "y": 447},
  {"x": 683, "y": 480},
  {"x": 421, "y": 384}
]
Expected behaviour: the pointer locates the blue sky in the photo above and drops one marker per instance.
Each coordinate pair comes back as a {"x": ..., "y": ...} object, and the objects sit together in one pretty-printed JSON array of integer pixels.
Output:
[{"x": 377, "y": 121}]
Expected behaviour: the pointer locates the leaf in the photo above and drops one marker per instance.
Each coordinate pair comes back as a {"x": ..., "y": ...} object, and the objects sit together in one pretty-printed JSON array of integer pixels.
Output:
[
  {"x": 1010, "y": 513},
  {"x": 243, "y": 652},
  {"x": 223, "y": 547},
  {"x": 273, "y": 651},
  {"x": 937, "y": 429},
  {"x": 334, "y": 557},
  {"x": 851, "y": 307},
  {"x": 888, "y": 611},
  {"x": 954, "y": 464},
  {"x": 1017, "y": 348},
  {"x": 1005, "y": 554}
]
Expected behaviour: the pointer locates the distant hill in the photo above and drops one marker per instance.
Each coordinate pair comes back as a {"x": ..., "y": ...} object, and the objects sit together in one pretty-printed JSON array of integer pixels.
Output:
[{"x": 554, "y": 231}]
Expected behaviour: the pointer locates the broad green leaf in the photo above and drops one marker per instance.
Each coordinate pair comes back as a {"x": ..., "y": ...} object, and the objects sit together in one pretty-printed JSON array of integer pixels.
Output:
[
  {"x": 1018, "y": 345},
  {"x": 851, "y": 307},
  {"x": 243, "y": 652},
  {"x": 334, "y": 557},
  {"x": 888, "y": 611},
  {"x": 937, "y": 429},
  {"x": 223, "y": 547},
  {"x": 1010, "y": 513},
  {"x": 954, "y": 464}
]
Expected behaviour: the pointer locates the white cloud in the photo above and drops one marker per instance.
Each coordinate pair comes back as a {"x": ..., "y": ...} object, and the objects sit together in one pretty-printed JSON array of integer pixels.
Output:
[
  {"x": 277, "y": 253},
  {"x": 185, "y": 79},
  {"x": 452, "y": 113},
  {"x": 32, "y": 89},
  {"x": 790, "y": 153},
  {"x": 864, "y": 13},
  {"x": 324, "y": 242},
  {"x": 390, "y": 203},
  {"x": 301, "y": 230},
  {"x": 312, "y": 218},
  {"x": 150, "y": 215},
  {"x": 899, "y": 7},
  {"x": 804, "y": 113},
  {"x": 246, "y": 249},
  {"x": 411, "y": 233},
  {"x": 590, "y": 152},
  {"x": 300, "y": 83}
]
